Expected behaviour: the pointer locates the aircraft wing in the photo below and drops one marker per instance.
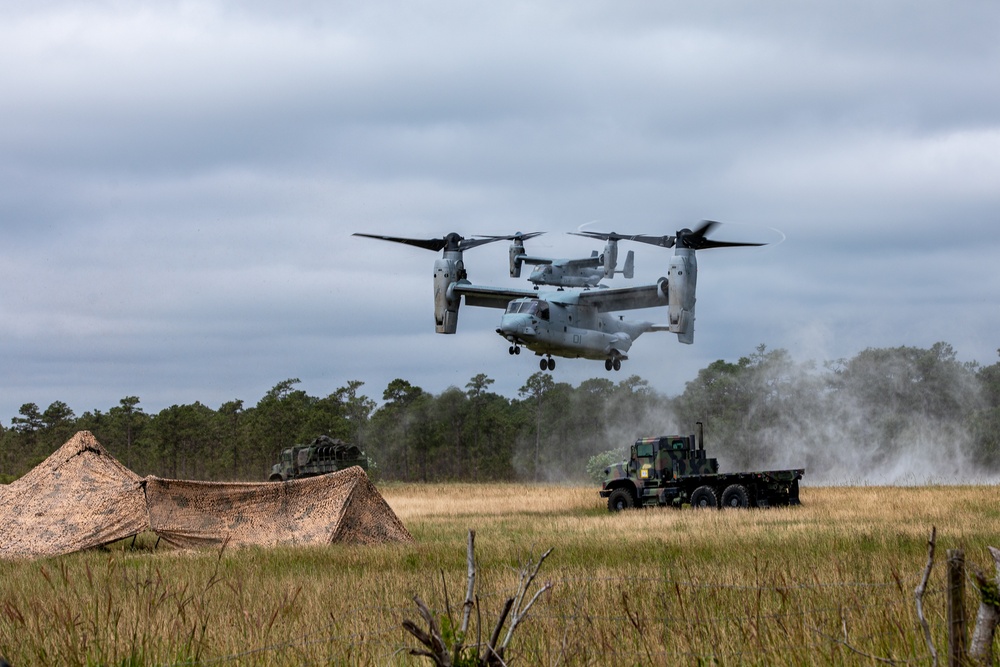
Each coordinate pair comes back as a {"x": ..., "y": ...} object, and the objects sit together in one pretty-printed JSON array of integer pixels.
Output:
[
  {"x": 528, "y": 259},
  {"x": 490, "y": 297},
  {"x": 582, "y": 261},
  {"x": 623, "y": 298}
]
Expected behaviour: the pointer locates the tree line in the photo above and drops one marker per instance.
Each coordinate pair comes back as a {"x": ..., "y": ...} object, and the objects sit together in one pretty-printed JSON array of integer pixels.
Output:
[{"x": 882, "y": 408}]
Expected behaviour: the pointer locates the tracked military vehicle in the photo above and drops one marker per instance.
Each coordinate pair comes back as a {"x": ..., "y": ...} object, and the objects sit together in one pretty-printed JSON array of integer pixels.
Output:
[
  {"x": 673, "y": 470},
  {"x": 322, "y": 455}
]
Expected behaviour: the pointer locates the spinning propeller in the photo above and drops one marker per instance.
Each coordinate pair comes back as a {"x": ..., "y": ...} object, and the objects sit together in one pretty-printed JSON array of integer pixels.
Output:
[{"x": 696, "y": 239}]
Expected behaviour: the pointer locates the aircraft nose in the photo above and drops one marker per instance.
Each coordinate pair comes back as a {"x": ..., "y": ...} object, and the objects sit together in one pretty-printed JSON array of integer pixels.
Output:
[{"x": 517, "y": 325}]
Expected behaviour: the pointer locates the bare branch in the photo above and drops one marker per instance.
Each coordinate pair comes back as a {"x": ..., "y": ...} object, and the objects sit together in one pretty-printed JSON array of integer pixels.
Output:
[
  {"x": 519, "y": 611},
  {"x": 431, "y": 639},
  {"x": 869, "y": 656},
  {"x": 470, "y": 589},
  {"x": 495, "y": 637},
  {"x": 492, "y": 654},
  {"x": 471, "y": 586}
]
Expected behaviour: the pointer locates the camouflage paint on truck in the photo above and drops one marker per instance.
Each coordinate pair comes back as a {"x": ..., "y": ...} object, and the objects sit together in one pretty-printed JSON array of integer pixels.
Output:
[
  {"x": 674, "y": 470},
  {"x": 322, "y": 455}
]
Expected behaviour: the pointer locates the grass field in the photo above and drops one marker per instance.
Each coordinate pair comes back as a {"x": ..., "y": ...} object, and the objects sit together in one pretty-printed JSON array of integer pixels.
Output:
[{"x": 829, "y": 582}]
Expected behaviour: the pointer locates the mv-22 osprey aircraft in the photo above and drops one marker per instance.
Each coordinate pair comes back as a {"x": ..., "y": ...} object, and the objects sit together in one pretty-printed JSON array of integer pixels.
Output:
[
  {"x": 571, "y": 324},
  {"x": 574, "y": 272}
]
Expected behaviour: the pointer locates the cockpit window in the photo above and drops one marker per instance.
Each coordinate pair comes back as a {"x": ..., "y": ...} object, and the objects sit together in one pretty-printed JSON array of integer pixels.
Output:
[{"x": 528, "y": 307}]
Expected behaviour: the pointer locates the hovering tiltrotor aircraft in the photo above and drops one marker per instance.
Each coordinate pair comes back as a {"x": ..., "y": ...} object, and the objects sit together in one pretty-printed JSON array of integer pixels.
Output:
[
  {"x": 572, "y": 324},
  {"x": 576, "y": 272}
]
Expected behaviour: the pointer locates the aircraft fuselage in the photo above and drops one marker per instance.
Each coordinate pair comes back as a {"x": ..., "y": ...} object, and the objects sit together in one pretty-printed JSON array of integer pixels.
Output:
[{"x": 571, "y": 331}]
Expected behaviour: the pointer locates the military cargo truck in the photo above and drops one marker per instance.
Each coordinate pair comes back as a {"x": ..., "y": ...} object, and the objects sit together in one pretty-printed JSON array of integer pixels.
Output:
[
  {"x": 322, "y": 455},
  {"x": 673, "y": 470}
]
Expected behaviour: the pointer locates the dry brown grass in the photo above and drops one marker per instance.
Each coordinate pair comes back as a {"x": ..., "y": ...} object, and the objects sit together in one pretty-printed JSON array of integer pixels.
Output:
[{"x": 778, "y": 586}]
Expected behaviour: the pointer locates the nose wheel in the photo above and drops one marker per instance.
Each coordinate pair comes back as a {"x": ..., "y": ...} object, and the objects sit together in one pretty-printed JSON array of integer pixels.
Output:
[
  {"x": 613, "y": 364},
  {"x": 514, "y": 349},
  {"x": 547, "y": 364}
]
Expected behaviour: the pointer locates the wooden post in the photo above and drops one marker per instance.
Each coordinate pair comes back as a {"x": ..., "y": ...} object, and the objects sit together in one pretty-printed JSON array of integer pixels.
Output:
[
  {"x": 956, "y": 608},
  {"x": 981, "y": 647}
]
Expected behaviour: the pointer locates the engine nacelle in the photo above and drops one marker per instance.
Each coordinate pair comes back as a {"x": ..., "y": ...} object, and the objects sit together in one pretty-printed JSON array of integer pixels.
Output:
[
  {"x": 610, "y": 258},
  {"x": 629, "y": 270},
  {"x": 516, "y": 253},
  {"x": 446, "y": 273},
  {"x": 682, "y": 282}
]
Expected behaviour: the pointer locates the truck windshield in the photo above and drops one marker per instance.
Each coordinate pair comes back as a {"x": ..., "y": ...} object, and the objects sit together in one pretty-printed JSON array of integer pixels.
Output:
[{"x": 643, "y": 450}]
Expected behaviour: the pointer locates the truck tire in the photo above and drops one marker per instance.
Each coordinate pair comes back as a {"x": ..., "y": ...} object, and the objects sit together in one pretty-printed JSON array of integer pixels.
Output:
[
  {"x": 703, "y": 497},
  {"x": 620, "y": 499},
  {"x": 736, "y": 495}
]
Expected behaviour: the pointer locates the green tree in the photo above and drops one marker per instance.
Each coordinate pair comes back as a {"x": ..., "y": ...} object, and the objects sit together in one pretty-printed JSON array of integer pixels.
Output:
[
  {"x": 535, "y": 391},
  {"x": 985, "y": 421},
  {"x": 279, "y": 420},
  {"x": 58, "y": 423},
  {"x": 230, "y": 416},
  {"x": 30, "y": 421},
  {"x": 357, "y": 409},
  {"x": 478, "y": 398},
  {"x": 398, "y": 426},
  {"x": 127, "y": 421},
  {"x": 185, "y": 436}
]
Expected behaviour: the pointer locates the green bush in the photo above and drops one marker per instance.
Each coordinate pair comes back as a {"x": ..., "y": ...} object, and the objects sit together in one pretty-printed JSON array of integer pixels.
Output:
[{"x": 598, "y": 462}]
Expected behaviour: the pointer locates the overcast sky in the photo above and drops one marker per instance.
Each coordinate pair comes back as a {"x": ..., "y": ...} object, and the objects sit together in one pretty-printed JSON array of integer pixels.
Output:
[{"x": 179, "y": 182}]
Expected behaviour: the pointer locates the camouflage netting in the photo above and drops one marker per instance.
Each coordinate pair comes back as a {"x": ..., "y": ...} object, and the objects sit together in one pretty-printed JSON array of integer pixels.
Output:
[
  {"x": 82, "y": 497},
  {"x": 339, "y": 507},
  {"x": 79, "y": 497}
]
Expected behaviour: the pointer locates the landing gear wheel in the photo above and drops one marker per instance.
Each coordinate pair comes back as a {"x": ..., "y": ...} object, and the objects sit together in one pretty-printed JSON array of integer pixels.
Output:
[
  {"x": 517, "y": 350},
  {"x": 617, "y": 364},
  {"x": 608, "y": 364},
  {"x": 510, "y": 350},
  {"x": 735, "y": 495},
  {"x": 704, "y": 497},
  {"x": 620, "y": 499},
  {"x": 551, "y": 363},
  {"x": 543, "y": 364}
]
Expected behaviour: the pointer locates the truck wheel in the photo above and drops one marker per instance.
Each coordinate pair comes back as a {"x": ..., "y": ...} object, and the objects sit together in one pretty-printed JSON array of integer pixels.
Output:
[
  {"x": 735, "y": 495},
  {"x": 620, "y": 499},
  {"x": 275, "y": 478},
  {"x": 704, "y": 496}
]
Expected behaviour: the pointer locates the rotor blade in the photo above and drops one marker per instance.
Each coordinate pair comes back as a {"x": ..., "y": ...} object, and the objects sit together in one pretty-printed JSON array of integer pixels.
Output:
[
  {"x": 511, "y": 237},
  {"x": 705, "y": 227},
  {"x": 667, "y": 241},
  {"x": 452, "y": 242},
  {"x": 697, "y": 239},
  {"x": 708, "y": 244},
  {"x": 428, "y": 244},
  {"x": 604, "y": 236},
  {"x": 467, "y": 244}
]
